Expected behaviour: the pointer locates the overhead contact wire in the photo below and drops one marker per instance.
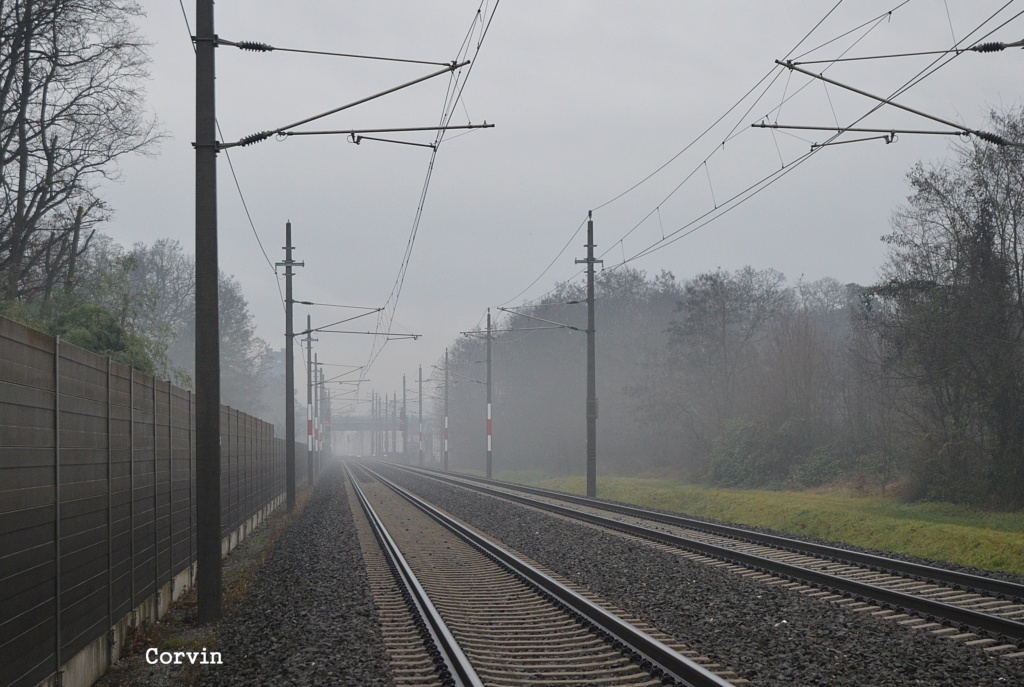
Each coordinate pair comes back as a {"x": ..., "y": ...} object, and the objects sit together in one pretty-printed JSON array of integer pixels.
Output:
[
  {"x": 776, "y": 71},
  {"x": 452, "y": 98},
  {"x": 665, "y": 241},
  {"x": 767, "y": 181},
  {"x": 550, "y": 265}
]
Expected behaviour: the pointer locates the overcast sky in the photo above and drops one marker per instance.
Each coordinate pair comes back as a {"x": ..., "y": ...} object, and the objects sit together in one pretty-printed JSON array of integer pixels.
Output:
[{"x": 587, "y": 98}]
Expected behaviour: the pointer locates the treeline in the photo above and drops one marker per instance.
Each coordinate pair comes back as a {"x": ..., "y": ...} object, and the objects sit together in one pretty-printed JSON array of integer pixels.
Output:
[
  {"x": 737, "y": 378},
  {"x": 746, "y": 379},
  {"x": 137, "y": 306},
  {"x": 72, "y": 105}
]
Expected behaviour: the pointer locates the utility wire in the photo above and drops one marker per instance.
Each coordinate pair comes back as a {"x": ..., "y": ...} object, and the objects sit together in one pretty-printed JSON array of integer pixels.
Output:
[
  {"x": 871, "y": 25},
  {"x": 550, "y": 264},
  {"x": 245, "y": 206},
  {"x": 934, "y": 66},
  {"x": 745, "y": 194},
  {"x": 723, "y": 116},
  {"x": 768, "y": 75},
  {"x": 730, "y": 204},
  {"x": 884, "y": 15},
  {"x": 447, "y": 109},
  {"x": 453, "y": 97},
  {"x": 263, "y": 47},
  {"x": 335, "y": 305},
  {"x": 981, "y": 48},
  {"x": 953, "y": 52},
  {"x": 765, "y": 182},
  {"x": 238, "y": 186},
  {"x": 284, "y": 130},
  {"x": 984, "y": 135},
  {"x": 768, "y": 180},
  {"x": 949, "y": 18}
]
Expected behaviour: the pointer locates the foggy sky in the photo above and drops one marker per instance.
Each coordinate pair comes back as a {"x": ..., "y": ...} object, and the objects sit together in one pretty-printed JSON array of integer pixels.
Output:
[{"x": 587, "y": 98}]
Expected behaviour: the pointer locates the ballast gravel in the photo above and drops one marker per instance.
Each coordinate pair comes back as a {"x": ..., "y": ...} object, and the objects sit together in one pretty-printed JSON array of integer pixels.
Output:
[
  {"x": 770, "y": 635},
  {"x": 309, "y": 618}
]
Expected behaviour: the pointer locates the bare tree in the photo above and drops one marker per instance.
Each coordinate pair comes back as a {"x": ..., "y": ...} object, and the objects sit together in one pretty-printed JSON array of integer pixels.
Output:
[
  {"x": 71, "y": 104},
  {"x": 724, "y": 316},
  {"x": 951, "y": 314}
]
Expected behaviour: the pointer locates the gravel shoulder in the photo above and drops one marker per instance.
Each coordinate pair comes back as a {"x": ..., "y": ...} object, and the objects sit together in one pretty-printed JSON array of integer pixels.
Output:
[
  {"x": 309, "y": 618},
  {"x": 298, "y": 610}
]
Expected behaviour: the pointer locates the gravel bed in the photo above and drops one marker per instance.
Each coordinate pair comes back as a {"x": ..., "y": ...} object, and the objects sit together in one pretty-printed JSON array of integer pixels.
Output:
[
  {"x": 309, "y": 618},
  {"x": 771, "y": 636}
]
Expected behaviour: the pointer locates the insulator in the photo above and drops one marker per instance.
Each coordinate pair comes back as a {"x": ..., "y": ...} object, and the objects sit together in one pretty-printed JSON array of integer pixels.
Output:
[
  {"x": 254, "y": 138},
  {"x": 989, "y": 47},
  {"x": 991, "y": 138},
  {"x": 254, "y": 46}
]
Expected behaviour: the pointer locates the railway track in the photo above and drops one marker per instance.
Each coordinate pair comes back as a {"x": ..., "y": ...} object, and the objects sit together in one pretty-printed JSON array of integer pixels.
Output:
[
  {"x": 474, "y": 613},
  {"x": 980, "y": 611}
]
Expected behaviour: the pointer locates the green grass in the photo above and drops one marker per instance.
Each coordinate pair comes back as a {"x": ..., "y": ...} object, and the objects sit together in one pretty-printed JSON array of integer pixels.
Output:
[{"x": 938, "y": 531}]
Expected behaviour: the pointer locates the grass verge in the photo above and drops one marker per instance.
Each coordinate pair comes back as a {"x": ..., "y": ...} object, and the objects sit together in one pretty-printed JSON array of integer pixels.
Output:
[{"x": 937, "y": 531}]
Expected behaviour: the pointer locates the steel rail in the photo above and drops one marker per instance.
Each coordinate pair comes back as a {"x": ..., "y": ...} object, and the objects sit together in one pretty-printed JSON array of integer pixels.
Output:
[
  {"x": 987, "y": 585},
  {"x": 459, "y": 669},
  {"x": 669, "y": 662},
  {"x": 931, "y": 609}
]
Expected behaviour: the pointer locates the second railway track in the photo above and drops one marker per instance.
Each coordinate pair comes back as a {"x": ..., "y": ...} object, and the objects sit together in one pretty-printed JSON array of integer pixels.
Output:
[{"x": 985, "y": 612}]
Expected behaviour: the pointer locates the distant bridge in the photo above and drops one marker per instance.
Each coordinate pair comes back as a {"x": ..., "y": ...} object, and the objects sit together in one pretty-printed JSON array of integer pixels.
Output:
[
  {"x": 367, "y": 423},
  {"x": 353, "y": 423}
]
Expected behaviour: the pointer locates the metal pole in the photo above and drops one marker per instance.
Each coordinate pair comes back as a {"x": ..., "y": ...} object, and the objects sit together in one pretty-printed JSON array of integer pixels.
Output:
[
  {"x": 325, "y": 419},
  {"x": 321, "y": 419},
  {"x": 156, "y": 532},
  {"x": 326, "y": 405},
  {"x": 404, "y": 424},
  {"x": 207, "y": 325},
  {"x": 170, "y": 484},
  {"x": 110, "y": 520},
  {"x": 446, "y": 410},
  {"x": 489, "y": 425},
  {"x": 591, "y": 367},
  {"x": 131, "y": 478},
  {"x": 309, "y": 402},
  {"x": 58, "y": 638},
  {"x": 289, "y": 368},
  {"x": 420, "y": 413},
  {"x": 191, "y": 479}
]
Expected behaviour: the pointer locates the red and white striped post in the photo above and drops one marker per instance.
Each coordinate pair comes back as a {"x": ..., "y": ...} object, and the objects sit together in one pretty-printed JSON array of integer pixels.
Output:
[
  {"x": 445, "y": 455},
  {"x": 420, "y": 414},
  {"x": 309, "y": 427},
  {"x": 309, "y": 401}
]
